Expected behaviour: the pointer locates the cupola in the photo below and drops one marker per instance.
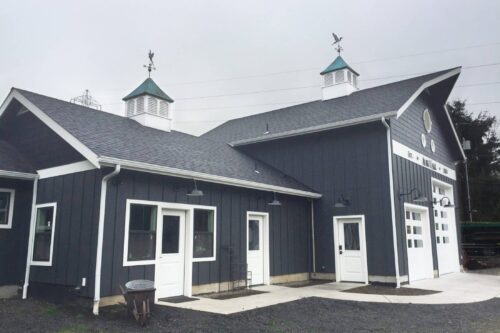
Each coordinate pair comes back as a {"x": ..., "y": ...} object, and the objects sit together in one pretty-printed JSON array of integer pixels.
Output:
[
  {"x": 339, "y": 79},
  {"x": 149, "y": 105}
]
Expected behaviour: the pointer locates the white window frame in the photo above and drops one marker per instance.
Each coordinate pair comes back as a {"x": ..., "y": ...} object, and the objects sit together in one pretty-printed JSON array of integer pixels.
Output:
[
  {"x": 212, "y": 258},
  {"x": 11, "y": 207},
  {"x": 54, "y": 207},
  {"x": 189, "y": 209}
]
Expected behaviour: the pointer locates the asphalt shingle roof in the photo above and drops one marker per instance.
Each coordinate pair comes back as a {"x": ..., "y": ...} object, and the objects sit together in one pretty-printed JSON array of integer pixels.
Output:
[
  {"x": 12, "y": 160},
  {"x": 362, "y": 103},
  {"x": 118, "y": 137}
]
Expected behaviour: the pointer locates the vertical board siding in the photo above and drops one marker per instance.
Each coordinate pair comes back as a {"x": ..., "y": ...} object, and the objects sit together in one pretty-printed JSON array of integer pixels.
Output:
[
  {"x": 408, "y": 129},
  {"x": 14, "y": 241},
  {"x": 289, "y": 253},
  {"x": 351, "y": 162},
  {"x": 408, "y": 175},
  {"x": 77, "y": 197}
]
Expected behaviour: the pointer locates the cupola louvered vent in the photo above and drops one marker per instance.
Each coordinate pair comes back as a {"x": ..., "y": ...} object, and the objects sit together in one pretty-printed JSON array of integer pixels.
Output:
[
  {"x": 150, "y": 106},
  {"x": 340, "y": 79}
]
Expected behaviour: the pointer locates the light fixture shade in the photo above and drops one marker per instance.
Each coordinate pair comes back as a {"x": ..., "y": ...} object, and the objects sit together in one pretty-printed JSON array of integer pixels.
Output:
[
  {"x": 195, "y": 193},
  {"x": 420, "y": 198},
  {"x": 275, "y": 202},
  {"x": 339, "y": 204}
]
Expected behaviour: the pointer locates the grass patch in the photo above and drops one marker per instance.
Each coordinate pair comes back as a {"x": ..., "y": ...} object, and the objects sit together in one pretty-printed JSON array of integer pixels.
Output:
[{"x": 51, "y": 310}]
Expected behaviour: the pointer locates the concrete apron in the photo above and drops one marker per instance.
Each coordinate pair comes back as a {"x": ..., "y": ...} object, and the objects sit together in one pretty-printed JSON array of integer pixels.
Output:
[{"x": 455, "y": 289}]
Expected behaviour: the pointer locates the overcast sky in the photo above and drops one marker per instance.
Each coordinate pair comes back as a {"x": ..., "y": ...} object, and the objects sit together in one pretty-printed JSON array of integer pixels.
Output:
[{"x": 220, "y": 48}]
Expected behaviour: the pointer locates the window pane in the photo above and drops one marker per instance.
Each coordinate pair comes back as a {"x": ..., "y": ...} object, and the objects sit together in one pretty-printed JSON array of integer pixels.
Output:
[
  {"x": 418, "y": 243},
  {"x": 43, "y": 233},
  {"x": 409, "y": 243},
  {"x": 4, "y": 207},
  {"x": 407, "y": 215},
  {"x": 408, "y": 229},
  {"x": 253, "y": 235},
  {"x": 142, "y": 233},
  {"x": 446, "y": 240},
  {"x": 203, "y": 238},
  {"x": 416, "y": 216},
  {"x": 351, "y": 236},
  {"x": 444, "y": 227},
  {"x": 170, "y": 236},
  {"x": 417, "y": 230}
]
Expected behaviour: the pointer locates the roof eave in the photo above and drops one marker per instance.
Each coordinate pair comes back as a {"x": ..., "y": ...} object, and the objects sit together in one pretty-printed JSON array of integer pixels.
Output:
[
  {"x": 168, "y": 171},
  {"x": 18, "y": 175},
  {"x": 314, "y": 129}
]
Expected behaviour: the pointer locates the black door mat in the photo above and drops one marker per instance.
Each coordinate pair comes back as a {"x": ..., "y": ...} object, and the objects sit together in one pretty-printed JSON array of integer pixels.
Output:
[
  {"x": 178, "y": 299},
  {"x": 307, "y": 283},
  {"x": 387, "y": 290},
  {"x": 234, "y": 294}
]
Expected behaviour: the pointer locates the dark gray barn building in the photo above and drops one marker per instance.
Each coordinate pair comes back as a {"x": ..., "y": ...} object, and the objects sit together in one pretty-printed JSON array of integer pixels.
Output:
[{"x": 358, "y": 186}]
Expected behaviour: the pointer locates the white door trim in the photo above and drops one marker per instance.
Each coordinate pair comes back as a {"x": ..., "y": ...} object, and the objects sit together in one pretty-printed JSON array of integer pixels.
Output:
[
  {"x": 428, "y": 238},
  {"x": 362, "y": 240},
  {"x": 265, "y": 230},
  {"x": 451, "y": 196},
  {"x": 188, "y": 253}
]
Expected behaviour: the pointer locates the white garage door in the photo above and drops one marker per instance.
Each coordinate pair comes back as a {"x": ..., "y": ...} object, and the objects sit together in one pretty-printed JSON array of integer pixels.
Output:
[
  {"x": 418, "y": 243},
  {"x": 445, "y": 228}
]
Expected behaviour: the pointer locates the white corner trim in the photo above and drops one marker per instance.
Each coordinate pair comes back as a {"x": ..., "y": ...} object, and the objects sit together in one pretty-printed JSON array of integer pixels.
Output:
[
  {"x": 58, "y": 129},
  {"x": 52, "y": 231},
  {"x": 454, "y": 131},
  {"x": 31, "y": 239},
  {"x": 65, "y": 169},
  {"x": 11, "y": 207},
  {"x": 418, "y": 158},
  {"x": 18, "y": 175},
  {"x": 162, "y": 170},
  {"x": 314, "y": 129},
  {"x": 425, "y": 85}
]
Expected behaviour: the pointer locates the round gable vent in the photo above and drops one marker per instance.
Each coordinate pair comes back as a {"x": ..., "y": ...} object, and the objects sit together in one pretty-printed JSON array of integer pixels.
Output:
[{"x": 427, "y": 120}]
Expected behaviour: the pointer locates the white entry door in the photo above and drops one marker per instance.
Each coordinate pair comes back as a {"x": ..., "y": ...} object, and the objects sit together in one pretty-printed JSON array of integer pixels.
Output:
[
  {"x": 418, "y": 243},
  {"x": 445, "y": 228},
  {"x": 255, "y": 249},
  {"x": 169, "y": 270},
  {"x": 351, "y": 250}
]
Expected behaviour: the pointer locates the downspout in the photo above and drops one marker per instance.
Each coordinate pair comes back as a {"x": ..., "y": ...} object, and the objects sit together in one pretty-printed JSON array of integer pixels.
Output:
[
  {"x": 30, "y": 239},
  {"x": 393, "y": 208},
  {"x": 312, "y": 238},
  {"x": 100, "y": 237}
]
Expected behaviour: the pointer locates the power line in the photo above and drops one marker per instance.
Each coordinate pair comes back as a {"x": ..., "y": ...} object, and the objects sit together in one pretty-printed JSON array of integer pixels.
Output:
[
  {"x": 316, "y": 69},
  {"x": 318, "y": 86},
  {"x": 222, "y": 120}
]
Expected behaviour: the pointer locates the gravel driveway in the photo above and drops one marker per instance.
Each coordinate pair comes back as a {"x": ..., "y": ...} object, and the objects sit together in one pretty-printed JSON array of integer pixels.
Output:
[{"x": 306, "y": 315}]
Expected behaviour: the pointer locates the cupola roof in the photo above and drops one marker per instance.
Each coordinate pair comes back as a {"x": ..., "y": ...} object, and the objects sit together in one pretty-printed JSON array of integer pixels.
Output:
[{"x": 149, "y": 87}]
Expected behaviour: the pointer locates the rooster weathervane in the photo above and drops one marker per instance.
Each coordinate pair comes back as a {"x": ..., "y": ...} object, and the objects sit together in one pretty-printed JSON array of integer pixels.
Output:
[
  {"x": 336, "y": 41},
  {"x": 151, "y": 65}
]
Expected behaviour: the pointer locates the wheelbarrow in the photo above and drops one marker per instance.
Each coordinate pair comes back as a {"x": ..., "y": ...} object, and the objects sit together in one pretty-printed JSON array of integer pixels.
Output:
[{"x": 139, "y": 296}]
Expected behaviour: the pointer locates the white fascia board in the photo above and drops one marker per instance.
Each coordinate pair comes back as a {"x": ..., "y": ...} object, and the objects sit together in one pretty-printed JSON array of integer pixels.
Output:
[
  {"x": 426, "y": 85},
  {"x": 18, "y": 175},
  {"x": 168, "y": 171},
  {"x": 58, "y": 129},
  {"x": 454, "y": 132},
  {"x": 65, "y": 169},
  {"x": 314, "y": 129}
]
